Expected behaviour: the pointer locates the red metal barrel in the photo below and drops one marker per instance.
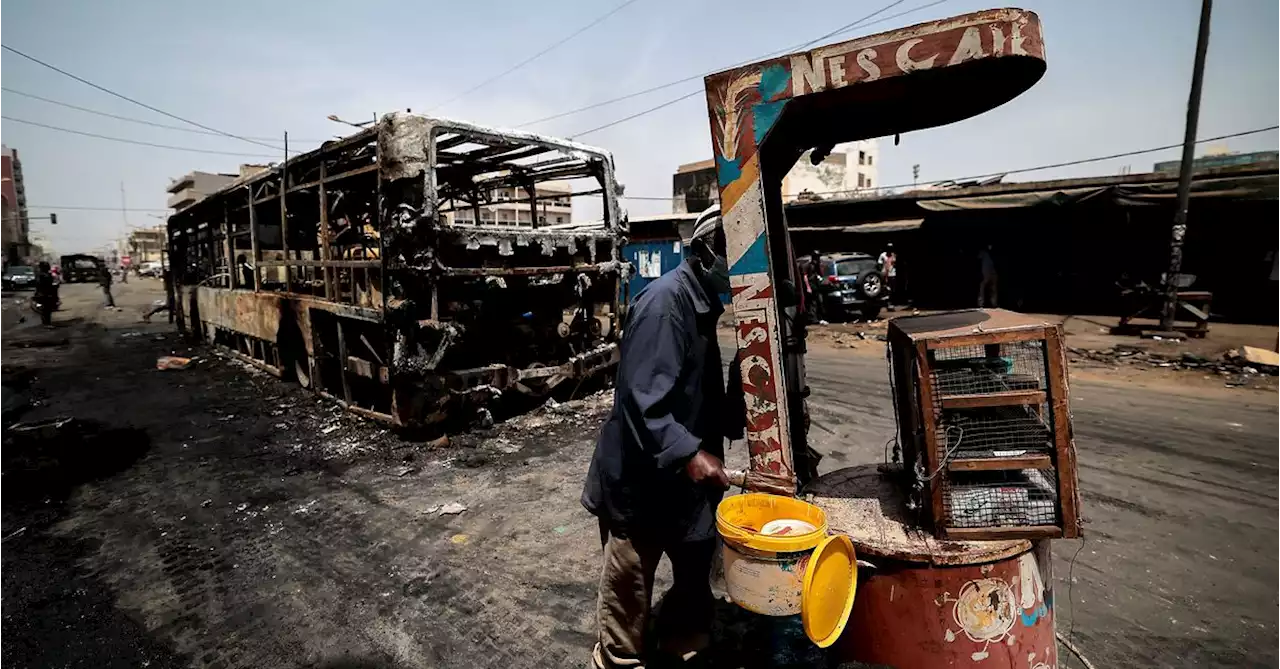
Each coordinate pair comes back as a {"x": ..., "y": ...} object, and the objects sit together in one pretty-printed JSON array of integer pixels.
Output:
[{"x": 925, "y": 602}]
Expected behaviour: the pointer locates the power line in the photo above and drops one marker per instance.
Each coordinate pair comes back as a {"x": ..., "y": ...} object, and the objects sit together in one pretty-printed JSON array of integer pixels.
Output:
[
  {"x": 76, "y": 207},
  {"x": 130, "y": 119},
  {"x": 126, "y": 98},
  {"x": 697, "y": 77},
  {"x": 534, "y": 57},
  {"x": 668, "y": 103},
  {"x": 636, "y": 115},
  {"x": 877, "y": 188},
  {"x": 1037, "y": 168},
  {"x": 140, "y": 143}
]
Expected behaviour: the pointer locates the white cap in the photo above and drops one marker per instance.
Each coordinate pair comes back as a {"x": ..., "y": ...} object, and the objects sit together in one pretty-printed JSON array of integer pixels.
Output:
[{"x": 706, "y": 224}]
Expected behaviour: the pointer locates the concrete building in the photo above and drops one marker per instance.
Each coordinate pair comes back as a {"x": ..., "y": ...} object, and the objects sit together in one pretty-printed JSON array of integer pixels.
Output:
[
  {"x": 13, "y": 208},
  {"x": 850, "y": 170},
  {"x": 510, "y": 206},
  {"x": 145, "y": 244},
  {"x": 195, "y": 186}
]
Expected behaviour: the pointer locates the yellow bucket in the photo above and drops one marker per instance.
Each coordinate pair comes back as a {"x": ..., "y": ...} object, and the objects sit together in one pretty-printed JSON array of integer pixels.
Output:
[
  {"x": 739, "y": 518},
  {"x": 778, "y": 575}
]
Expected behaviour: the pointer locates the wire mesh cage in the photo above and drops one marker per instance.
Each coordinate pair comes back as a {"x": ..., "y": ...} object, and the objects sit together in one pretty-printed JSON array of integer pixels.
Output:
[
  {"x": 994, "y": 432},
  {"x": 989, "y": 368},
  {"x": 1011, "y": 498},
  {"x": 984, "y": 427}
]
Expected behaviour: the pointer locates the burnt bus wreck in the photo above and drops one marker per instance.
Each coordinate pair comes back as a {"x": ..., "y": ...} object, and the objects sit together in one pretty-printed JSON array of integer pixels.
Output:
[{"x": 390, "y": 271}]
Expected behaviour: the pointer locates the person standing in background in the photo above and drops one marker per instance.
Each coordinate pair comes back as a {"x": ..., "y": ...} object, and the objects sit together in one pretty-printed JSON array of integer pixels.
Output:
[
  {"x": 888, "y": 265},
  {"x": 987, "y": 294},
  {"x": 104, "y": 280},
  {"x": 46, "y": 297}
]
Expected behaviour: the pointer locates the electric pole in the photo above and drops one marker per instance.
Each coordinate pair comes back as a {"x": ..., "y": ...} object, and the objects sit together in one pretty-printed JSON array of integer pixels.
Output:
[{"x": 1170, "y": 312}]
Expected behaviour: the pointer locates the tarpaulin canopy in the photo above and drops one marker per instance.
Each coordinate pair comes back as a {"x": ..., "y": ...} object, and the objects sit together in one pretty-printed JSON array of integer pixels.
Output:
[
  {"x": 879, "y": 226},
  {"x": 1254, "y": 187}
]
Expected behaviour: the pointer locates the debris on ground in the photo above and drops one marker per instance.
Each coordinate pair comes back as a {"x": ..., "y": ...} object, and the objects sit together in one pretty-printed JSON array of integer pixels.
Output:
[
  {"x": 405, "y": 471},
  {"x": 1234, "y": 368},
  {"x": 452, "y": 509},
  {"x": 1260, "y": 357},
  {"x": 165, "y": 362}
]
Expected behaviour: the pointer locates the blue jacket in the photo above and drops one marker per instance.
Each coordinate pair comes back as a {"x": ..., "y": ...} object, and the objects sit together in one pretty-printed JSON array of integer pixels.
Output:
[{"x": 669, "y": 402}]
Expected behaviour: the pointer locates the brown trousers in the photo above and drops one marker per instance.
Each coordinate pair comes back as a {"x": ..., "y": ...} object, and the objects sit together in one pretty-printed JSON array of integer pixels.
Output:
[{"x": 626, "y": 589}]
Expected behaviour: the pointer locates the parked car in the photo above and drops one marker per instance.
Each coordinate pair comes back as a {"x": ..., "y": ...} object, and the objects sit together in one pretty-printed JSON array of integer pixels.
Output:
[
  {"x": 20, "y": 277},
  {"x": 853, "y": 286},
  {"x": 152, "y": 268}
]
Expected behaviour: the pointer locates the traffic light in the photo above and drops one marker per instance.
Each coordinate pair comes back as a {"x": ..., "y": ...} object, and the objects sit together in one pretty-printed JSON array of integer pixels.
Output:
[{"x": 53, "y": 219}]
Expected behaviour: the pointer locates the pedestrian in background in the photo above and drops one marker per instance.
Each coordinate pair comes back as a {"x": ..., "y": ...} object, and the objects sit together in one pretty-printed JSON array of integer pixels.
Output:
[
  {"x": 46, "y": 297},
  {"x": 987, "y": 294},
  {"x": 888, "y": 265},
  {"x": 104, "y": 280},
  {"x": 657, "y": 473}
]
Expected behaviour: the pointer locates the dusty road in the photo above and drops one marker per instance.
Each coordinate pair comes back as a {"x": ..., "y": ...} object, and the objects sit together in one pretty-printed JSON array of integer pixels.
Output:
[{"x": 214, "y": 517}]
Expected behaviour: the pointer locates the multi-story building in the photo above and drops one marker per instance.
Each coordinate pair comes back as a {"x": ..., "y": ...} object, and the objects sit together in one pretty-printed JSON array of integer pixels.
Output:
[
  {"x": 693, "y": 187},
  {"x": 13, "y": 208},
  {"x": 195, "y": 186},
  {"x": 849, "y": 170},
  {"x": 145, "y": 244},
  {"x": 510, "y": 206}
]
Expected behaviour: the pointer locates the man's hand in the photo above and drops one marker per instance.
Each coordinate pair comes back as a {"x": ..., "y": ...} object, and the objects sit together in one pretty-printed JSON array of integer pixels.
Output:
[{"x": 707, "y": 468}]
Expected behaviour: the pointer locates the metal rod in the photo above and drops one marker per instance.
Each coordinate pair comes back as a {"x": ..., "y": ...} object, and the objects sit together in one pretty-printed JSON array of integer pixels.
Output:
[
  {"x": 253, "y": 243},
  {"x": 325, "y": 252},
  {"x": 284, "y": 214},
  {"x": 226, "y": 247},
  {"x": 1170, "y": 313}
]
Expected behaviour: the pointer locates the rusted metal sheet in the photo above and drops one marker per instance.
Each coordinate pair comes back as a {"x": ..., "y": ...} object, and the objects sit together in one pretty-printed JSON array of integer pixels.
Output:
[
  {"x": 997, "y": 615},
  {"x": 929, "y": 602}
]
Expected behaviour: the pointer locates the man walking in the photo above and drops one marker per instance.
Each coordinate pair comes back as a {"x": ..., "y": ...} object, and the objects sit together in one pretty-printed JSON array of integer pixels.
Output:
[
  {"x": 104, "y": 280},
  {"x": 46, "y": 297},
  {"x": 657, "y": 473}
]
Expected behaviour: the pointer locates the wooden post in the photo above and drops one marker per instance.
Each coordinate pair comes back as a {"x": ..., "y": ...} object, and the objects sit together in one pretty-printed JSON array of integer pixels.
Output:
[
  {"x": 934, "y": 461},
  {"x": 253, "y": 243},
  {"x": 1063, "y": 439}
]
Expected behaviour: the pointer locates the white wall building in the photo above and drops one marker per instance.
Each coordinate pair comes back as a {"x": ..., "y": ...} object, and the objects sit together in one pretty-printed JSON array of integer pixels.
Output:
[
  {"x": 849, "y": 171},
  {"x": 510, "y": 206}
]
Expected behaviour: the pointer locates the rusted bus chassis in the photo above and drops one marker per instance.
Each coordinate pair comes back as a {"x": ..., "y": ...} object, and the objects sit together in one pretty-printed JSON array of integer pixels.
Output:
[{"x": 361, "y": 284}]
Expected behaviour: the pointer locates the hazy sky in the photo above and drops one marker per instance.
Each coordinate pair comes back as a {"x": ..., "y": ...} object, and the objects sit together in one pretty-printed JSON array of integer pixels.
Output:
[{"x": 1117, "y": 81}]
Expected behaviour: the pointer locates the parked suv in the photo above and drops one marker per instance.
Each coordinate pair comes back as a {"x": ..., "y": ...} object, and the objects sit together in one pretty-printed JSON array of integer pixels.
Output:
[{"x": 852, "y": 285}]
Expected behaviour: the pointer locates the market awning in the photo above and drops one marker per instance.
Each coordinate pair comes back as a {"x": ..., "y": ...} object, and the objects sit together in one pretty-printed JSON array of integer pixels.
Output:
[
  {"x": 1255, "y": 187},
  {"x": 879, "y": 226}
]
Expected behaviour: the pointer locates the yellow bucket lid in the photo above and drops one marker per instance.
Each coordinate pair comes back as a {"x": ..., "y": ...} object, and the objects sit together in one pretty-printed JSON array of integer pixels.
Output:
[{"x": 830, "y": 583}]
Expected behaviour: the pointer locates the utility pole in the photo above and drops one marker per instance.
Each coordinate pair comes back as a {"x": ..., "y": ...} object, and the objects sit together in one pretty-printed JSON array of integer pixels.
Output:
[{"x": 1184, "y": 175}]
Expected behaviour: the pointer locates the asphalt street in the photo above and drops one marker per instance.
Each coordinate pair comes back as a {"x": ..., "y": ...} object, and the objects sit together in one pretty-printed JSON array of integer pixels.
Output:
[{"x": 214, "y": 517}]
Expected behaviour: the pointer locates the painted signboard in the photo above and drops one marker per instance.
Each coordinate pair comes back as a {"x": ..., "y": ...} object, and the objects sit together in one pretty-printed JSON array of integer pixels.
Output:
[{"x": 744, "y": 104}]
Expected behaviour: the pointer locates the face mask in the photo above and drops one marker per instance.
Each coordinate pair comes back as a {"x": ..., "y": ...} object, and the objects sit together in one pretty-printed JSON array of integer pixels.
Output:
[{"x": 717, "y": 277}]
